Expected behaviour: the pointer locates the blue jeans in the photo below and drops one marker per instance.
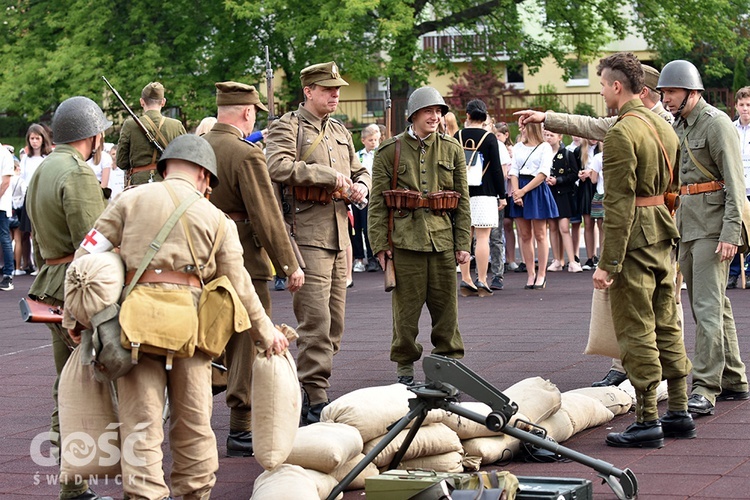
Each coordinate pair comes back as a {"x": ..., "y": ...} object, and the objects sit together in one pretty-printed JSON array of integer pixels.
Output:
[{"x": 6, "y": 244}]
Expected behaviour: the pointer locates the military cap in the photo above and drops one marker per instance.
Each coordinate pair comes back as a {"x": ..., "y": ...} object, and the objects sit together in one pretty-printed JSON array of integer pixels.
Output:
[
  {"x": 325, "y": 75},
  {"x": 234, "y": 93},
  {"x": 651, "y": 76},
  {"x": 153, "y": 90}
]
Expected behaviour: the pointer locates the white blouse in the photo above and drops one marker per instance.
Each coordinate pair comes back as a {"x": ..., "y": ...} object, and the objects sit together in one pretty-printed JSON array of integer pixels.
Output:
[{"x": 527, "y": 163}]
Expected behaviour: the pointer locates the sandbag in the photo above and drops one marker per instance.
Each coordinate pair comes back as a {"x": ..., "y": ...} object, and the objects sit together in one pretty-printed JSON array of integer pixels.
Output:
[
  {"x": 371, "y": 410},
  {"x": 324, "y": 483},
  {"x": 536, "y": 398},
  {"x": 451, "y": 461},
  {"x": 93, "y": 282},
  {"x": 492, "y": 449},
  {"x": 433, "y": 439},
  {"x": 359, "y": 482},
  {"x": 614, "y": 398},
  {"x": 471, "y": 463},
  {"x": 584, "y": 412},
  {"x": 286, "y": 482},
  {"x": 276, "y": 402},
  {"x": 467, "y": 428},
  {"x": 90, "y": 442},
  {"x": 602, "y": 338},
  {"x": 325, "y": 446},
  {"x": 558, "y": 426}
]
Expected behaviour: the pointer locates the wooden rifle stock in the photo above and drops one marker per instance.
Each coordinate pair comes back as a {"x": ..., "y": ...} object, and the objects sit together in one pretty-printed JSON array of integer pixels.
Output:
[
  {"x": 389, "y": 276},
  {"x": 33, "y": 311}
]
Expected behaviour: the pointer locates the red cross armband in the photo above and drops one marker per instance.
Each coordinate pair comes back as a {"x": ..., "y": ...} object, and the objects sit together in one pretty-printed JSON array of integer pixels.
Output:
[{"x": 96, "y": 242}]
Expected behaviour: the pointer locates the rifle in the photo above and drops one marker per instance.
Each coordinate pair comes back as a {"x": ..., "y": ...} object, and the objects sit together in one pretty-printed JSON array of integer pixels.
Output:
[
  {"x": 34, "y": 311},
  {"x": 388, "y": 117},
  {"x": 137, "y": 120},
  {"x": 389, "y": 273},
  {"x": 271, "y": 117}
]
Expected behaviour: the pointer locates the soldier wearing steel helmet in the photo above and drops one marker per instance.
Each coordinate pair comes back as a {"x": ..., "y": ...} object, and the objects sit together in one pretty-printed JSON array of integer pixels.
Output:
[
  {"x": 426, "y": 243},
  {"x": 131, "y": 223},
  {"x": 709, "y": 220},
  {"x": 63, "y": 200},
  {"x": 309, "y": 152}
]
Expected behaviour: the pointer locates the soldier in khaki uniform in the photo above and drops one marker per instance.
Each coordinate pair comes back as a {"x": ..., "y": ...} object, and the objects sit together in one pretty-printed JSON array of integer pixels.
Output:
[
  {"x": 245, "y": 193},
  {"x": 131, "y": 223},
  {"x": 63, "y": 200},
  {"x": 308, "y": 151},
  {"x": 639, "y": 233},
  {"x": 709, "y": 218},
  {"x": 135, "y": 154},
  {"x": 426, "y": 244}
]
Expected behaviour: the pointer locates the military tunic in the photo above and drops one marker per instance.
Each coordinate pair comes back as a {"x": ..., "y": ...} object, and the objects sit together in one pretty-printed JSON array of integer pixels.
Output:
[
  {"x": 131, "y": 223},
  {"x": 246, "y": 193},
  {"x": 63, "y": 200},
  {"x": 322, "y": 234},
  {"x": 704, "y": 220},
  {"x": 134, "y": 149},
  {"x": 639, "y": 241},
  {"x": 424, "y": 242}
]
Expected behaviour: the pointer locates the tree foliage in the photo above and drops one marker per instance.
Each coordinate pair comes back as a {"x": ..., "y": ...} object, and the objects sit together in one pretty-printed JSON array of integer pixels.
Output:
[{"x": 475, "y": 82}]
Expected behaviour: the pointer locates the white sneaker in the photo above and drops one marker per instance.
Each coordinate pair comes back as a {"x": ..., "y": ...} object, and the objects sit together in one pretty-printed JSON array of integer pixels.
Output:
[
  {"x": 574, "y": 267},
  {"x": 359, "y": 267},
  {"x": 555, "y": 266},
  {"x": 19, "y": 272},
  {"x": 512, "y": 266}
]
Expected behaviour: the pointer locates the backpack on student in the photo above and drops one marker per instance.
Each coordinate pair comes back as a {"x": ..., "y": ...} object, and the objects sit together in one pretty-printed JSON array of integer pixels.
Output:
[{"x": 474, "y": 159}]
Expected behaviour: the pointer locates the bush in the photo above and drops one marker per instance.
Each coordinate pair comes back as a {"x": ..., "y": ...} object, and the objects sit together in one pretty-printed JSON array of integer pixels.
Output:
[
  {"x": 584, "y": 108},
  {"x": 13, "y": 126},
  {"x": 546, "y": 100}
]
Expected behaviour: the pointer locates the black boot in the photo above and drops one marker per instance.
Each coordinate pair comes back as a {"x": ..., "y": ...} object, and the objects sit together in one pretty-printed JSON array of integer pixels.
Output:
[
  {"x": 638, "y": 435},
  {"x": 700, "y": 405},
  {"x": 613, "y": 377},
  {"x": 89, "y": 494},
  {"x": 240, "y": 444},
  {"x": 678, "y": 424},
  {"x": 313, "y": 414}
]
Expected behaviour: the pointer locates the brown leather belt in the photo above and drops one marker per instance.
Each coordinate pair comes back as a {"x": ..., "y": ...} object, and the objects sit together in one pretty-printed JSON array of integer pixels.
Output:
[
  {"x": 701, "y": 187},
  {"x": 237, "y": 216},
  {"x": 173, "y": 277},
  {"x": 61, "y": 260},
  {"x": 649, "y": 201},
  {"x": 143, "y": 168}
]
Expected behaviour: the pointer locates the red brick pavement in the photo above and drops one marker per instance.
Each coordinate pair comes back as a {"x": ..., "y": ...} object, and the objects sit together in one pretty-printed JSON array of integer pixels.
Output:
[{"x": 515, "y": 334}]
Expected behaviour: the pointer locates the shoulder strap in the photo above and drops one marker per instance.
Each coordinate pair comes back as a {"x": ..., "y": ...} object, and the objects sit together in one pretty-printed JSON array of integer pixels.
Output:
[
  {"x": 527, "y": 158},
  {"x": 478, "y": 146},
  {"x": 161, "y": 236},
  {"x": 658, "y": 139},
  {"x": 698, "y": 164},
  {"x": 315, "y": 142}
]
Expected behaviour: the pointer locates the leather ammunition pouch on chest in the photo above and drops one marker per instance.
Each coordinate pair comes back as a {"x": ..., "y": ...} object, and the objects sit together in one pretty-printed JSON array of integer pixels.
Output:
[
  {"x": 314, "y": 194},
  {"x": 439, "y": 202}
]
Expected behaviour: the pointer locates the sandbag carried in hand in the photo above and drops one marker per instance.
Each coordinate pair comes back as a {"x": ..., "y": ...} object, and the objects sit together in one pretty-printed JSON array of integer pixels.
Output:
[
  {"x": 602, "y": 338},
  {"x": 276, "y": 402},
  {"x": 93, "y": 282}
]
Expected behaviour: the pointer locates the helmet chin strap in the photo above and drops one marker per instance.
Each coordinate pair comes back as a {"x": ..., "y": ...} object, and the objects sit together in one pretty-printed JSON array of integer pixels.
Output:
[{"x": 678, "y": 113}]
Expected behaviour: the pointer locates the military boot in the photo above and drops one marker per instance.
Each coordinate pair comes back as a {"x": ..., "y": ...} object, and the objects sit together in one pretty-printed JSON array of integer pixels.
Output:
[
  {"x": 313, "y": 414},
  {"x": 678, "y": 424},
  {"x": 89, "y": 494},
  {"x": 240, "y": 444},
  {"x": 638, "y": 435}
]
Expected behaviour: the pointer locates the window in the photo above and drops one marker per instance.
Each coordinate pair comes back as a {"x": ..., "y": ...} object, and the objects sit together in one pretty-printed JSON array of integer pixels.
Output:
[
  {"x": 514, "y": 75},
  {"x": 580, "y": 77}
]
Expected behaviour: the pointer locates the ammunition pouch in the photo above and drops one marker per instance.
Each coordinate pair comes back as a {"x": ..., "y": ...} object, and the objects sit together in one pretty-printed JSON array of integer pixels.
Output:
[
  {"x": 109, "y": 358},
  {"x": 439, "y": 202},
  {"x": 314, "y": 194},
  {"x": 672, "y": 200}
]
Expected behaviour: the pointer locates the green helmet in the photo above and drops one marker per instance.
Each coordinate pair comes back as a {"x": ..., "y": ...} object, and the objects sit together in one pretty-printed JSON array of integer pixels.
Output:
[
  {"x": 680, "y": 74},
  {"x": 194, "y": 149},
  {"x": 422, "y": 98},
  {"x": 78, "y": 118}
]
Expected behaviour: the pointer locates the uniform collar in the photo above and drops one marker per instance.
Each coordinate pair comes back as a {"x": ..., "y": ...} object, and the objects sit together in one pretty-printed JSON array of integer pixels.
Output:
[
  {"x": 695, "y": 112},
  {"x": 413, "y": 141},
  {"x": 181, "y": 177},
  {"x": 68, "y": 149},
  {"x": 310, "y": 117},
  {"x": 631, "y": 105},
  {"x": 229, "y": 128}
]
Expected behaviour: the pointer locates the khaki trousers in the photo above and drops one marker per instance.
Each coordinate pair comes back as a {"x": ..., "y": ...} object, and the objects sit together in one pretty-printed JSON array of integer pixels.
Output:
[
  {"x": 424, "y": 278},
  {"x": 239, "y": 356},
  {"x": 647, "y": 327},
  {"x": 717, "y": 363},
  {"x": 319, "y": 307},
  {"x": 193, "y": 444}
]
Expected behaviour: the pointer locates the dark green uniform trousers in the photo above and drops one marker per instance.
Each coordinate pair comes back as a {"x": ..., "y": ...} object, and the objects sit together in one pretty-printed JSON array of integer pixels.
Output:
[
  {"x": 424, "y": 278},
  {"x": 648, "y": 332}
]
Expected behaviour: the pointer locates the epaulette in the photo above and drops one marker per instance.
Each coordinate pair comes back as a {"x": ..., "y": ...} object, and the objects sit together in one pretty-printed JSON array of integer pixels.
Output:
[
  {"x": 334, "y": 120},
  {"x": 244, "y": 139},
  {"x": 388, "y": 142},
  {"x": 712, "y": 112},
  {"x": 128, "y": 188}
]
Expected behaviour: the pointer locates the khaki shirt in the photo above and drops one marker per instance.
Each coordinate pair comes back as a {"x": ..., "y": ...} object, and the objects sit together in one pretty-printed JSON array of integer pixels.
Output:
[
  {"x": 63, "y": 200},
  {"x": 134, "y": 150},
  {"x": 713, "y": 140},
  {"x": 289, "y": 138},
  {"x": 441, "y": 165},
  {"x": 245, "y": 187},
  {"x": 634, "y": 165},
  {"x": 134, "y": 219}
]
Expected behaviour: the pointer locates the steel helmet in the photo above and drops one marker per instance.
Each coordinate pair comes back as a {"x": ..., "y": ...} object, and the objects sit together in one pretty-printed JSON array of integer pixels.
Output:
[
  {"x": 78, "y": 118},
  {"x": 680, "y": 74},
  {"x": 422, "y": 98},
  {"x": 194, "y": 149}
]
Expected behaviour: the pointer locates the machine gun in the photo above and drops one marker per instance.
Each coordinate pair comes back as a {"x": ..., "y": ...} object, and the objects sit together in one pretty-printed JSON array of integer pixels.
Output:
[
  {"x": 445, "y": 378},
  {"x": 135, "y": 118}
]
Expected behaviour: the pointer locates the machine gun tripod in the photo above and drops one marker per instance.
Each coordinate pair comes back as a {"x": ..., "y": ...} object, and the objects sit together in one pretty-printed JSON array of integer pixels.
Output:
[{"x": 446, "y": 377}]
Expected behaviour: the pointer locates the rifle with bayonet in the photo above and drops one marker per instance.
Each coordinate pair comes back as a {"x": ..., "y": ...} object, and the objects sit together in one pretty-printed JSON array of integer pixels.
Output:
[
  {"x": 272, "y": 116},
  {"x": 389, "y": 273},
  {"x": 135, "y": 118}
]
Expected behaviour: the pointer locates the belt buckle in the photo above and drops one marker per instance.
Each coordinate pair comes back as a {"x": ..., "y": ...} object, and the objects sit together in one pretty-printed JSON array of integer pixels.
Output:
[{"x": 688, "y": 189}]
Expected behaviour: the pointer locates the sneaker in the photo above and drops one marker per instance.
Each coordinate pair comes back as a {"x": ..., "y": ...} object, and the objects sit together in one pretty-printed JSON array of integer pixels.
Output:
[
  {"x": 512, "y": 266},
  {"x": 497, "y": 283},
  {"x": 407, "y": 380},
  {"x": 555, "y": 266},
  {"x": 279, "y": 284},
  {"x": 595, "y": 259},
  {"x": 732, "y": 282},
  {"x": 521, "y": 268},
  {"x": 34, "y": 272},
  {"x": 372, "y": 265},
  {"x": 574, "y": 267},
  {"x": 19, "y": 272},
  {"x": 359, "y": 266},
  {"x": 588, "y": 266},
  {"x": 7, "y": 283}
]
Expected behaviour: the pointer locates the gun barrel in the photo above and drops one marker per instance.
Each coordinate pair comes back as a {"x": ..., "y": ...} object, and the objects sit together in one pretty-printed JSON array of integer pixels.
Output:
[{"x": 137, "y": 120}]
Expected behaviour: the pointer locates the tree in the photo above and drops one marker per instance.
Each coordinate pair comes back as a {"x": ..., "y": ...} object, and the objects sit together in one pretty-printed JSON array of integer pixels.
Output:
[{"x": 477, "y": 83}]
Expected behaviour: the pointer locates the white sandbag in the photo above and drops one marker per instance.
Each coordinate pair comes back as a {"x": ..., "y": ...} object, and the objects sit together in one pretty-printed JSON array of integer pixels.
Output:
[
  {"x": 451, "y": 461},
  {"x": 433, "y": 439},
  {"x": 614, "y": 398},
  {"x": 371, "y": 410},
  {"x": 90, "y": 442},
  {"x": 276, "y": 402},
  {"x": 467, "y": 428},
  {"x": 602, "y": 338},
  {"x": 492, "y": 449},
  {"x": 471, "y": 463},
  {"x": 661, "y": 390},
  {"x": 325, "y": 483},
  {"x": 584, "y": 412},
  {"x": 359, "y": 482},
  {"x": 286, "y": 482},
  {"x": 558, "y": 426},
  {"x": 536, "y": 398},
  {"x": 93, "y": 282},
  {"x": 325, "y": 446}
]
